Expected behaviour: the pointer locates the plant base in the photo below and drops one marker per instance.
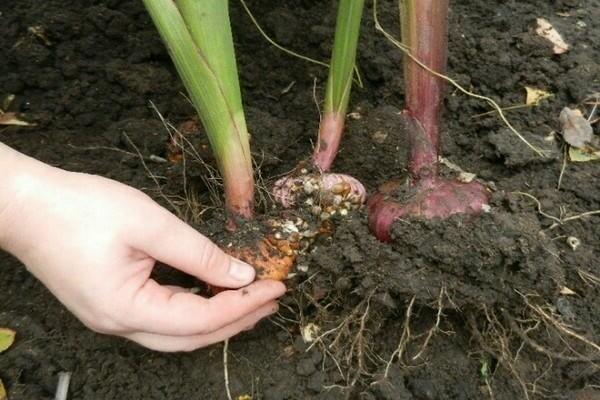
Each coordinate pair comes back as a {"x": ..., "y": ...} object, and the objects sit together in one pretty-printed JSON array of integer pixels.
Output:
[{"x": 429, "y": 199}]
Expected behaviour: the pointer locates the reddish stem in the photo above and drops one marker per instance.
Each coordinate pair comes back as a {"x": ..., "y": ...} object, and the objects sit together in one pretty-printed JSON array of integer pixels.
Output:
[
  {"x": 330, "y": 135},
  {"x": 425, "y": 31},
  {"x": 238, "y": 184}
]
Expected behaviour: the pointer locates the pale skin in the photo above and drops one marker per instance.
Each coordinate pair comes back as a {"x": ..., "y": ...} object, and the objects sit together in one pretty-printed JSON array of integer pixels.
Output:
[{"x": 93, "y": 242}]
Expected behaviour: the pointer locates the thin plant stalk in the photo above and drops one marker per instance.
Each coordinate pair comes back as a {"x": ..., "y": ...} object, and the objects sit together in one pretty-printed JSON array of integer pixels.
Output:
[
  {"x": 339, "y": 82},
  {"x": 425, "y": 34},
  {"x": 198, "y": 37},
  {"x": 424, "y": 26}
]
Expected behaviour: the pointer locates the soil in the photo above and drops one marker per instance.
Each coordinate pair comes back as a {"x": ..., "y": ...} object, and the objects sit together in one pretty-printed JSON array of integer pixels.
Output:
[{"x": 500, "y": 307}]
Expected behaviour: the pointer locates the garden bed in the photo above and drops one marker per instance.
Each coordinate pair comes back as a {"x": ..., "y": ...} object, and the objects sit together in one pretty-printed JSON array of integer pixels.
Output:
[{"x": 500, "y": 307}]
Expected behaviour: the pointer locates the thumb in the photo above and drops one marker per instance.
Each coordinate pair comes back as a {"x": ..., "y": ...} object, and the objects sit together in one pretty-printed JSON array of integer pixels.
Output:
[{"x": 173, "y": 242}]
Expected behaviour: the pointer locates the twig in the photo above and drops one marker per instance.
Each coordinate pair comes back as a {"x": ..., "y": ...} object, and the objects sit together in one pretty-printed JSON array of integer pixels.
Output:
[
  {"x": 62, "y": 388},
  {"x": 226, "y": 369},
  {"x": 152, "y": 176},
  {"x": 152, "y": 157},
  {"x": 563, "y": 168}
]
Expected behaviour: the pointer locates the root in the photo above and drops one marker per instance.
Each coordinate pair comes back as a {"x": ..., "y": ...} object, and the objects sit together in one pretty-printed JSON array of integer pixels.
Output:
[
  {"x": 359, "y": 80},
  {"x": 212, "y": 180},
  {"x": 507, "y": 338},
  {"x": 348, "y": 344},
  {"x": 554, "y": 321},
  {"x": 436, "y": 327},
  {"x": 562, "y": 219},
  {"x": 404, "y": 339},
  {"x": 501, "y": 350},
  {"x": 588, "y": 278},
  {"x": 152, "y": 176},
  {"x": 538, "y": 347}
]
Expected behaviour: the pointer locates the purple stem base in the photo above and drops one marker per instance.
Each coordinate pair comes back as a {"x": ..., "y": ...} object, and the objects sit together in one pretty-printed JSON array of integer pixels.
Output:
[{"x": 433, "y": 198}]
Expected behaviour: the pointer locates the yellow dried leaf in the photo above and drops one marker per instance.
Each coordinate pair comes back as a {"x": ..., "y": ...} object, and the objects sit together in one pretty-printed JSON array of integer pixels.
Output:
[
  {"x": 566, "y": 291},
  {"x": 7, "y": 338},
  {"x": 583, "y": 155},
  {"x": 534, "y": 96},
  {"x": 241, "y": 397},
  {"x": 11, "y": 118},
  {"x": 3, "y": 395},
  {"x": 310, "y": 332},
  {"x": 547, "y": 31}
]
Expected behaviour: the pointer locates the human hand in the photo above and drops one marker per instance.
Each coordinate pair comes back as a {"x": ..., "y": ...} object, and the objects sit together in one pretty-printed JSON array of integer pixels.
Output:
[{"x": 94, "y": 242}]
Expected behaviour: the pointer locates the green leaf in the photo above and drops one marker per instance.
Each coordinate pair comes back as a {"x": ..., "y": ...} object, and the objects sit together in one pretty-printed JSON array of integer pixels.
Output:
[
  {"x": 343, "y": 57},
  {"x": 198, "y": 35},
  {"x": 7, "y": 338},
  {"x": 583, "y": 155}
]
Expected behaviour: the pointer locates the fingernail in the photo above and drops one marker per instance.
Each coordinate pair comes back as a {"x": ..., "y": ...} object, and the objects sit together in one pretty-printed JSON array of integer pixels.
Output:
[{"x": 241, "y": 271}]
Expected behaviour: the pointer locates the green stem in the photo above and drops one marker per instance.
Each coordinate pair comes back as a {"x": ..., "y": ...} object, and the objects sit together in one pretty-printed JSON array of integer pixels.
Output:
[
  {"x": 198, "y": 36},
  {"x": 339, "y": 82}
]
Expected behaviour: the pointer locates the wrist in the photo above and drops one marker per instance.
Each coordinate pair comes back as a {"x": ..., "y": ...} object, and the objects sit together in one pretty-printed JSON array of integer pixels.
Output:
[{"x": 22, "y": 178}]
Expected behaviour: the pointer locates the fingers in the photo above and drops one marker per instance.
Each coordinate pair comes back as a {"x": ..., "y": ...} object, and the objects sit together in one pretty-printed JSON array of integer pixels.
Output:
[
  {"x": 188, "y": 343},
  {"x": 156, "y": 309},
  {"x": 169, "y": 240}
]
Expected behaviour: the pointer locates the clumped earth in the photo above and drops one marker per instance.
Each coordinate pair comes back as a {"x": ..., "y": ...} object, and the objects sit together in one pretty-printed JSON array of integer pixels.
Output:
[{"x": 501, "y": 307}]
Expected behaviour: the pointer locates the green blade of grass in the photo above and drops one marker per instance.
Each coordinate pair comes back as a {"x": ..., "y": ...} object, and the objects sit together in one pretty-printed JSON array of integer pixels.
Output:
[
  {"x": 198, "y": 36},
  {"x": 347, "y": 29},
  {"x": 339, "y": 82}
]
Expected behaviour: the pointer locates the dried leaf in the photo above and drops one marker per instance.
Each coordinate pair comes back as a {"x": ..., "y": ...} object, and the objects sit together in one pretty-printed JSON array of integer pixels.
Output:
[
  {"x": 7, "y": 338},
  {"x": 577, "y": 130},
  {"x": 310, "y": 332},
  {"x": 6, "y": 101},
  {"x": 547, "y": 31},
  {"x": 244, "y": 397},
  {"x": 566, "y": 291},
  {"x": 534, "y": 96},
  {"x": 583, "y": 155},
  {"x": 11, "y": 118},
  {"x": 3, "y": 395},
  {"x": 466, "y": 177}
]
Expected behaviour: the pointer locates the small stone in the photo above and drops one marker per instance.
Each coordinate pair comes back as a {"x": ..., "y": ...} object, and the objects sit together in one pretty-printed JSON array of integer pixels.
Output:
[
  {"x": 316, "y": 381},
  {"x": 386, "y": 300},
  {"x": 343, "y": 284},
  {"x": 573, "y": 242},
  {"x": 305, "y": 367},
  {"x": 316, "y": 356},
  {"x": 308, "y": 187}
]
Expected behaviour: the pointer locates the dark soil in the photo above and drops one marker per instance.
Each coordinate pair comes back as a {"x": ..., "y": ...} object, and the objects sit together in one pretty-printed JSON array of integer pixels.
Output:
[{"x": 477, "y": 309}]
